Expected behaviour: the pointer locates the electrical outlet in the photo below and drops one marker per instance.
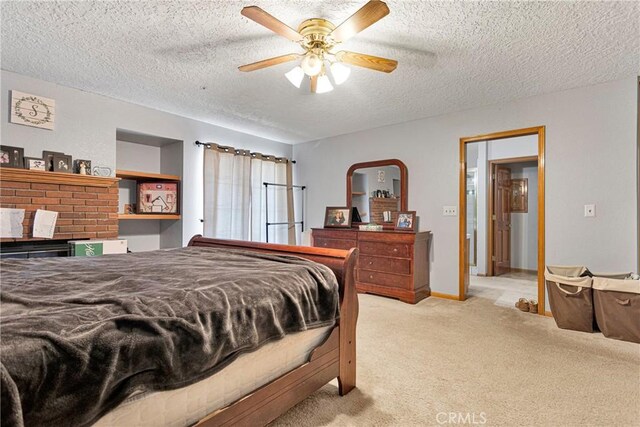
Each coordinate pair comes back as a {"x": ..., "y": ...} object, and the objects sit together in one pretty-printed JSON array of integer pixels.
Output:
[
  {"x": 589, "y": 210},
  {"x": 449, "y": 210}
]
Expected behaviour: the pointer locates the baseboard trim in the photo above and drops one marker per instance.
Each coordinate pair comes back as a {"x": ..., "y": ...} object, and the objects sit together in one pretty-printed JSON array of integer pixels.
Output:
[{"x": 445, "y": 296}]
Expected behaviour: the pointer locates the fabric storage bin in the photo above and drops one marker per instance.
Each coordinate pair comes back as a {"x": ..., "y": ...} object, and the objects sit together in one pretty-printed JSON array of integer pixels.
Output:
[
  {"x": 617, "y": 307},
  {"x": 570, "y": 297}
]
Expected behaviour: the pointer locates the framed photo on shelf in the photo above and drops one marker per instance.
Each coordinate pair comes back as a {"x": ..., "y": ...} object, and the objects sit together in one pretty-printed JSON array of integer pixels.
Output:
[
  {"x": 158, "y": 198},
  {"x": 337, "y": 217},
  {"x": 82, "y": 167},
  {"x": 11, "y": 157},
  {"x": 47, "y": 156},
  {"x": 35, "y": 164},
  {"x": 62, "y": 163},
  {"x": 406, "y": 221}
]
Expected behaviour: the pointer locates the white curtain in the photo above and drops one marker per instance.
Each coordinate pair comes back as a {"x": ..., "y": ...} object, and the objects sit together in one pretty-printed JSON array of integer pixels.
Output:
[
  {"x": 227, "y": 194},
  {"x": 236, "y": 200},
  {"x": 272, "y": 200}
]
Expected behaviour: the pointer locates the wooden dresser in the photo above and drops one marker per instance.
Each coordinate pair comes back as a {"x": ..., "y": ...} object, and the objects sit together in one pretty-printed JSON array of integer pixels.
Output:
[{"x": 390, "y": 263}]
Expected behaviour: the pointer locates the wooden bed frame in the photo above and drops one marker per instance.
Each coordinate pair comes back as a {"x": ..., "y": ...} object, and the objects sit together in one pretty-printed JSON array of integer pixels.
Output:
[{"x": 335, "y": 358}]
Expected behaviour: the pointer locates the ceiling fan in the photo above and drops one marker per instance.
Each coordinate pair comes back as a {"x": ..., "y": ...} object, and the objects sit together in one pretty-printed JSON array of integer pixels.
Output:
[{"x": 318, "y": 37}]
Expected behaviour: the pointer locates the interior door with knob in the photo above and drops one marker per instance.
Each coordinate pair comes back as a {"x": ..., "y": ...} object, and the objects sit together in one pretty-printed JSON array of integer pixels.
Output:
[{"x": 501, "y": 220}]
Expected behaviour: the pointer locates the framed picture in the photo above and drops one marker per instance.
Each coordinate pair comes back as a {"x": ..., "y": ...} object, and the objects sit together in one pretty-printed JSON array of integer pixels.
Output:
[
  {"x": 337, "y": 216},
  {"x": 35, "y": 164},
  {"x": 520, "y": 195},
  {"x": 11, "y": 157},
  {"x": 129, "y": 209},
  {"x": 62, "y": 163},
  {"x": 406, "y": 221},
  {"x": 47, "y": 156},
  {"x": 158, "y": 198},
  {"x": 82, "y": 167}
]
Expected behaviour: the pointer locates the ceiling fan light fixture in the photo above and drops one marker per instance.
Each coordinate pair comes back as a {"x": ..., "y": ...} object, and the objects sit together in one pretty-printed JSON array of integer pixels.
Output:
[
  {"x": 295, "y": 76},
  {"x": 324, "y": 85},
  {"x": 340, "y": 72},
  {"x": 311, "y": 64}
]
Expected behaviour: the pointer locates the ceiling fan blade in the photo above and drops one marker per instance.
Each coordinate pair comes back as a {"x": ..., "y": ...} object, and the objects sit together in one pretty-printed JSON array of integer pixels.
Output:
[
  {"x": 366, "y": 16},
  {"x": 314, "y": 84},
  {"x": 266, "y": 20},
  {"x": 367, "y": 61},
  {"x": 269, "y": 62}
]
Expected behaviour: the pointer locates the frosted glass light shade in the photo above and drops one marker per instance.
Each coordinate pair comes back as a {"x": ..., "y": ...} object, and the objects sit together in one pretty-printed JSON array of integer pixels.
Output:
[
  {"x": 295, "y": 76},
  {"x": 311, "y": 64},
  {"x": 324, "y": 85},
  {"x": 340, "y": 72}
]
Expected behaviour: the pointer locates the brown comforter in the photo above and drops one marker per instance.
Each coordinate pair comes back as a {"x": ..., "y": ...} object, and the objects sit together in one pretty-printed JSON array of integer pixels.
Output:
[{"x": 79, "y": 335}]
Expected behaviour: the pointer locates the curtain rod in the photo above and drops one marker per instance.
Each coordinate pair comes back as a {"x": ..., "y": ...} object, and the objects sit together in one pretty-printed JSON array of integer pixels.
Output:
[{"x": 208, "y": 144}]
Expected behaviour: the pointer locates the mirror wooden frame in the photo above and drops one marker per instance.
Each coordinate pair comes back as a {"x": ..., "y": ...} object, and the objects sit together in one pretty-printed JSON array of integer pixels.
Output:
[{"x": 404, "y": 179}]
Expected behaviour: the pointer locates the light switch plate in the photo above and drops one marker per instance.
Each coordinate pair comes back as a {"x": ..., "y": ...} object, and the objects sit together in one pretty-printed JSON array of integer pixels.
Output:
[
  {"x": 589, "y": 210},
  {"x": 449, "y": 210}
]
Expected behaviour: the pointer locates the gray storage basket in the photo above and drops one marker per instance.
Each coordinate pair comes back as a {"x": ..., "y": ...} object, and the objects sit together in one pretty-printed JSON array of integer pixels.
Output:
[
  {"x": 570, "y": 297},
  {"x": 617, "y": 307}
]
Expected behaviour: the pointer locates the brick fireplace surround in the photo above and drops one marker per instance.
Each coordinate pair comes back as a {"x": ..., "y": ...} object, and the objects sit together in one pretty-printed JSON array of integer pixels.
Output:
[{"x": 87, "y": 205}]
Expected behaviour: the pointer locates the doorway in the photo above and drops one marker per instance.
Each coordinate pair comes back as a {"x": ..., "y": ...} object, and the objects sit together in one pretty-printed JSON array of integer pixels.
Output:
[
  {"x": 502, "y": 215},
  {"x": 512, "y": 208}
]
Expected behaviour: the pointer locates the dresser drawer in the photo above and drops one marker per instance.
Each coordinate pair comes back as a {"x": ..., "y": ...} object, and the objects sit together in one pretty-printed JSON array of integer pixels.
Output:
[
  {"x": 386, "y": 279},
  {"x": 401, "y": 250},
  {"x": 389, "y": 265},
  {"x": 327, "y": 233},
  {"x": 320, "y": 242}
]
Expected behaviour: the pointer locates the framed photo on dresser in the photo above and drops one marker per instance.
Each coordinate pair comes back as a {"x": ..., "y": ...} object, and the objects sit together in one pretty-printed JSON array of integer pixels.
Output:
[
  {"x": 337, "y": 217},
  {"x": 406, "y": 221}
]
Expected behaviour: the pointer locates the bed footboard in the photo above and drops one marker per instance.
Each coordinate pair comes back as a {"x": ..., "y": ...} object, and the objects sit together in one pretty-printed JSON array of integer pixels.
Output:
[{"x": 336, "y": 357}]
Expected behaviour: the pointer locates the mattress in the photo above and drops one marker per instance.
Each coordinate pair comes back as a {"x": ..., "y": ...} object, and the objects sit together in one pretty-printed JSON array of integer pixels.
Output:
[
  {"x": 80, "y": 335},
  {"x": 187, "y": 405}
]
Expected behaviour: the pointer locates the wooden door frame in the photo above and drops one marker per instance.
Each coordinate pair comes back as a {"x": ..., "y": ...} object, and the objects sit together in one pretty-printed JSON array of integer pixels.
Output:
[
  {"x": 490, "y": 203},
  {"x": 462, "y": 237}
]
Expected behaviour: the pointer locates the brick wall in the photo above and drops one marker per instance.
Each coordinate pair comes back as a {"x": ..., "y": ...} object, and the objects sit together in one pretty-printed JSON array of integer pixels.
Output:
[
  {"x": 85, "y": 211},
  {"x": 377, "y": 205}
]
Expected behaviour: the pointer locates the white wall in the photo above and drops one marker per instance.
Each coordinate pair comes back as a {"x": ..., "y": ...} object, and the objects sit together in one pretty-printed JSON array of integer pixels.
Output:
[
  {"x": 524, "y": 225},
  {"x": 591, "y": 143},
  {"x": 86, "y": 124},
  {"x": 508, "y": 148},
  {"x": 137, "y": 157}
]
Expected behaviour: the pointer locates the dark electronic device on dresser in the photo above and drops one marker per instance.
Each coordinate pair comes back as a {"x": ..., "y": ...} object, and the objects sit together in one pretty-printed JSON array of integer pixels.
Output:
[{"x": 391, "y": 262}]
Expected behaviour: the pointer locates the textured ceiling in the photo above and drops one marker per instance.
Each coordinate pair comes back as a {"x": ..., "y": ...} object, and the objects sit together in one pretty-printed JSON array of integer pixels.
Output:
[{"x": 182, "y": 57}]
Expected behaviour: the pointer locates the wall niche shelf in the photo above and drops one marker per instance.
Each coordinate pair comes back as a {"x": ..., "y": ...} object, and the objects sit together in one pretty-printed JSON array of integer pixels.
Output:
[
  {"x": 149, "y": 216},
  {"x": 161, "y": 159},
  {"x": 133, "y": 175},
  {"x": 147, "y": 176}
]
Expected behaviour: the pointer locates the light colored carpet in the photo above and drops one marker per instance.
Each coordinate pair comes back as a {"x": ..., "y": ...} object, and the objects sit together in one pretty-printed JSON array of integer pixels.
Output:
[{"x": 499, "y": 365}]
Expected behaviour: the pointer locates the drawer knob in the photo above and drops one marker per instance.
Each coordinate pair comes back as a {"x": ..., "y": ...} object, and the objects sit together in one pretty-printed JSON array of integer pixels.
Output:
[
  {"x": 325, "y": 244},
  {"x": 370, "y": 262},
  {"x": 395, "y": 249},
  {"x": 371, "y": 276}
]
